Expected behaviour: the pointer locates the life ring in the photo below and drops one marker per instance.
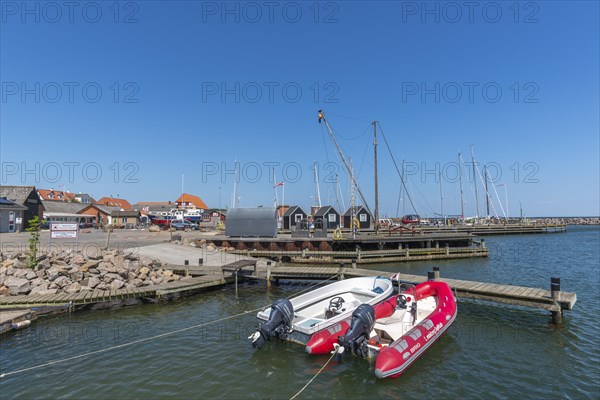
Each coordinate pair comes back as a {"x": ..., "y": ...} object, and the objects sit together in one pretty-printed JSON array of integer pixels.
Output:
[{"x": 337, "y": 234}]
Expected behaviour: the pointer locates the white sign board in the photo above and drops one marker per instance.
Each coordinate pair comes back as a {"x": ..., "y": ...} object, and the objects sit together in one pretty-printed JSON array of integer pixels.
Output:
[
  {"x": 63, "y": 234},
  {"x": 19, "y": 221},
  {"x": 64, "y": 230},
  {"x": 64, "y": 226}
]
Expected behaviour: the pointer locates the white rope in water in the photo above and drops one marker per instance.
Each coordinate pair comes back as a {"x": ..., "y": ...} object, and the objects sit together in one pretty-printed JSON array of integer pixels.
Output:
[
  {"x": 317, "y": 284},
  {"x": 313, "y": 378},
  {"x": 123, "y": 345},
  {"x": 6, "y": 374}
]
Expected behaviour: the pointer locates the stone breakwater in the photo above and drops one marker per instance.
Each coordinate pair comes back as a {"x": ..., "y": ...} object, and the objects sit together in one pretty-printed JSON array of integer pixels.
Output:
[
  {"x": 568, "y": 220},
  {"x": 73, "y": 272}
]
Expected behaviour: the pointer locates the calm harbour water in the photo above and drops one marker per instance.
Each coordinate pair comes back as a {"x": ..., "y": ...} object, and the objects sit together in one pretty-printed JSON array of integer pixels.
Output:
[{"x": 491, "y": 351}]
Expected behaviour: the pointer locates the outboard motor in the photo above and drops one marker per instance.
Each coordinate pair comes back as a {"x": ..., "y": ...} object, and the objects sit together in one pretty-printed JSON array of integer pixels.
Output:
[
  {"x": 357, "y": 336},
  {"x": 278, "y": 325}
]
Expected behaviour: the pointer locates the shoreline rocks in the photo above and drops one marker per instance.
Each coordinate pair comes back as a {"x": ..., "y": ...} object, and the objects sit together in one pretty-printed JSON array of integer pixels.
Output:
[{"x": 73, "y": 272}]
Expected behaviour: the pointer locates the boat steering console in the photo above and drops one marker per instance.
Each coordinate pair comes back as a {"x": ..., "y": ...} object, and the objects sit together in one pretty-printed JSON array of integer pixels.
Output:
[{"x": 335, "y": 307}]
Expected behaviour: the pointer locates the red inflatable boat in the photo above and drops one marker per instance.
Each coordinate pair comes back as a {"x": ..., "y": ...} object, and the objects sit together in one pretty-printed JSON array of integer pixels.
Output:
[{"x": 397, "y": 332}]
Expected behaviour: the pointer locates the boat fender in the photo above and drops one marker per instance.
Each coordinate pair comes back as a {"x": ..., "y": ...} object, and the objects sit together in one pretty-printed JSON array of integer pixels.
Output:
[
  {"x": 356, "y": 338},
  {"x": 278, "y": 325},
  {"x": 21, "y": 325}
]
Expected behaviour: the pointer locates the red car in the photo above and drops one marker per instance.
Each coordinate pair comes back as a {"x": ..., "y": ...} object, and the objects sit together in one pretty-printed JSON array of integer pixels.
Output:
[{"x": 411, "y": 219}]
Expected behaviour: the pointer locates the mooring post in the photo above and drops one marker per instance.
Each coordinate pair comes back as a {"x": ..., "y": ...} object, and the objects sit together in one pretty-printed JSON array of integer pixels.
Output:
[
  {"x": 354, "y": 263},
  {"x": 268, "y": 274},
  {"x": 555, "y": 293},
  {"x": 342, "y": 267},
  {"x": 483, "y": 243},
  {"x": 447, "y": 248},
  {"x": 236, "y": 281},
  {"x": 430, "y": 276},
  {"x": 436, "y": 273}
]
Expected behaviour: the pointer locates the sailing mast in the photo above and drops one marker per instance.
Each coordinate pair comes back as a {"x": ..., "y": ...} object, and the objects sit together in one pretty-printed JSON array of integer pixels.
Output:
[
  {"x": 462, "y": 199},
  {"x": 376, "y": 188},
  {"x": 475, "y": 182},
  {"x": 352, "y": 199},
  {"x": 317, "y": 190},
  {"x": 234, "y": 199},
  {"x": 442, "y": 198},
  {"x": 487, "y": 193},
  {"x": 331, "y": 134}
]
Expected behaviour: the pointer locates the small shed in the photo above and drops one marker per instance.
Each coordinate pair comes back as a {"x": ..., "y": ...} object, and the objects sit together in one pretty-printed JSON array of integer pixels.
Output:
[
  {"x": 361, "y": 214},
  {"x": 124, "y": 219},
  {"x": 331, "y": 218},
  {"x": 11, "y": 216},
  {"x": 251, "y": 222},
  {"x": 292, "y": 216}
]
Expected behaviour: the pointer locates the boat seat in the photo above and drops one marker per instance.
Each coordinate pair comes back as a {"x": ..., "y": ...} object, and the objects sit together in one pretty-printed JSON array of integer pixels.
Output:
[
  {"x": 397, "y": 317},
  {"x": 364, "y": 292}
]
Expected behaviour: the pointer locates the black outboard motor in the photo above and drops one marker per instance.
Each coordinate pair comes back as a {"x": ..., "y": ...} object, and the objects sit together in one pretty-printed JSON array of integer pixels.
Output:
[
  {"x": 357, "y": 336},
  {"x": 278, "y": 325}
]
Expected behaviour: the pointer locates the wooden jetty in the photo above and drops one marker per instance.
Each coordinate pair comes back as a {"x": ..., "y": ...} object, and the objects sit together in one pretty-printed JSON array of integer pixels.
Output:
[
  {"x": 143, "y": 293},
  {"x": 368, "y": 256},
  {"x": 201, "y": 278},
  {"x": 499, "y": 229},
  {"x": 551, "y": 300}
]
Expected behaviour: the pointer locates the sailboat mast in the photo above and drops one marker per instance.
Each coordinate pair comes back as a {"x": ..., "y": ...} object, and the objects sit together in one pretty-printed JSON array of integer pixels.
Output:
[
  {"x": 475, "y": 181},
  {"x": 376, "y": 187},
  {"x": 233, "y": 201},
  {"x": 462, "y": 199},
  {"x": 442, "y": 198},
  {"x": 487, "y": 194},
  {"x": 352, "y": 206},
  {"x": 317, "y": 189}
]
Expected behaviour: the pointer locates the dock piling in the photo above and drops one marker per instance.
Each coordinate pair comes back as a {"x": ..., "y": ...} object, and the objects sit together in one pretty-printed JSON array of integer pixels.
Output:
[
  {"x": 236, "y": 284},
  {"x": 354, "y": 263},
  {"x": 436, "y": 273},
  {"x": 342, "y": 269},
  {"x": 555, "y": 294},
  {"x": 268, "y": 274}
]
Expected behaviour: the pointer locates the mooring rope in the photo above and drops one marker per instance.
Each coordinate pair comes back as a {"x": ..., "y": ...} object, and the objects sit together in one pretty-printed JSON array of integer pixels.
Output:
[
  {"x": 316, "y": 284},
  {"x": 125, "y": 344},
  {"x": 6, "y": 374},
  {"x": 333, "y": 353},
  {"x": 456, "y": 296}
]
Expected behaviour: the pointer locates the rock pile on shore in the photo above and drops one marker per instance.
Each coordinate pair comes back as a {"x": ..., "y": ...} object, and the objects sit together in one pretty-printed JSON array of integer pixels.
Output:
[{"x": 72, "y": 272}]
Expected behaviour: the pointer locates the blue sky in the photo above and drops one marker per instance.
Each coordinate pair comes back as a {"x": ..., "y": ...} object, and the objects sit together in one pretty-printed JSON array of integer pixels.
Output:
[{"x": 126, "y": 98}]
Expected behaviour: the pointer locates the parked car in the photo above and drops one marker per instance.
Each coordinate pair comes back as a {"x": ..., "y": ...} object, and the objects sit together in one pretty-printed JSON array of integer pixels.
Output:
[
  {"x": 184, "y": 225},
  {"x": 411, "y": 219},
  {"x": 45, "y": 224}
]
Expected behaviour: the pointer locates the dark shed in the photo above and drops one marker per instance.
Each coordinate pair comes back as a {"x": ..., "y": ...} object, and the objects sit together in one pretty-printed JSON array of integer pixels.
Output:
[
  {"x": 292, "y": 216},
  {"x": 361, "y": 214},
  {"x": 331, "y": 218}
]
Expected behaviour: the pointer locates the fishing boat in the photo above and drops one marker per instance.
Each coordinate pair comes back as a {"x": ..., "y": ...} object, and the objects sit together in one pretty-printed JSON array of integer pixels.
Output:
[
  {"x": 326, "y": 308},
  {"x": 397, "y": 331}
]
